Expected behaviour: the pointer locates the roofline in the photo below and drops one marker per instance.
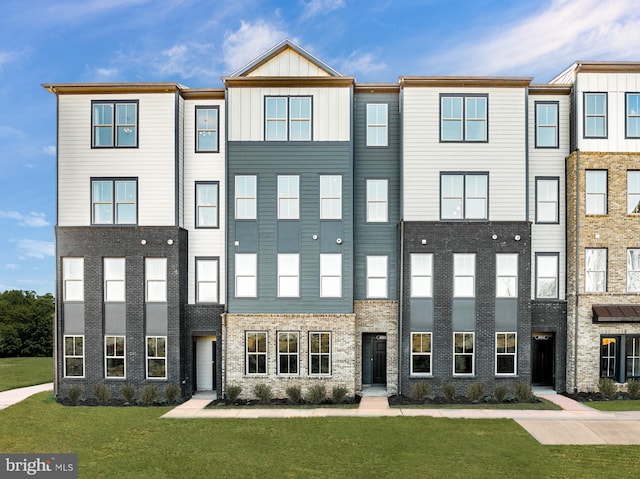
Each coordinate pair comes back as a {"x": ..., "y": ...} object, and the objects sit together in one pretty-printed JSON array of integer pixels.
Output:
[
  {"x": 204, "y": 93},
  {"x": 85, "y": 88},
  {"x": 550, "y": 89},
  {"x": 250, "y": 82},
  {"x": 609, "y": 67},
  {"x": 376, "y": 87},
  {"x": 458, "y": 81}
]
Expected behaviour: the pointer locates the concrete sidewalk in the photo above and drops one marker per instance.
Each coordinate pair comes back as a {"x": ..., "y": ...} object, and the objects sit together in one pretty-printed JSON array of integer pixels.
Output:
[{"x": 13, "y": 396}]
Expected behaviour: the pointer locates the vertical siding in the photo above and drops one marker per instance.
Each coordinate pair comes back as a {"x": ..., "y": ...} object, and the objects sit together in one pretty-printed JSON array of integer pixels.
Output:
[
  {"x": 180, "y": 145},
  {"x": 288, "y": 64}
]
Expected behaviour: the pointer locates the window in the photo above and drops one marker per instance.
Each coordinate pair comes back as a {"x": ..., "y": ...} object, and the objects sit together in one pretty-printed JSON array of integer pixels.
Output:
[
  {"x": 377, "y": 277},
  {"x": 596, "y": 184},
  {"x": 246, "y": 198},
  {"x": 288, "y": 118},
  {"x": 633, "y": 270},
  {"x": 421, "y": 275},
  {"x": 633, "y": 115},
  {"x": 74, "y": 356},
  {"x": 377, "y": 201},
  {"x": 288, "y": 197},
  {"x": 207, "y": 124},
  {"x": 547, "y": 205},
  {"x": 633, "y": 192},
  {"x": 156, "y": 280},
  {"x": 288, "y": 275},
  {"x": 506, "y": 275},
  {"x": 207, "y": 197},
  {"x": 547, "y": 275},
  {"x": 207, "y": 280},
  {"x": 609, "y": 357},
  {"x": 246, "y": 275},
  {"x": 546, "y": 124},
  {"x": 463, "y": 118},
  {"x": 505, "y": 353},
  {"x": 377, "y": 124},
  {"x": 595, "y": 115},
  {"x": 114, "y": 273},
  {"x": 330, "y": 197},
  {"x": 156, "y": 357},
  {"x": 114, "y": 356},
  {"x": 330, "y": 275},
  {"x": 632, "y": 360},
  {"x": 464, "y": 196},
  {"x": 256, "y": 360},
  {"x": 464, "y": 275},
  {"x": 73, "y": 279},
  {"x": 463, "y": 356},
  {"x": 421, "y": 353},
  {"x": 595, "y": 280},
  {"x": 288, "y": 353},
  {"x": 119, "y": 131},
  {"x": 113, "y": 202},
  {"x": 319, "y": 353}
]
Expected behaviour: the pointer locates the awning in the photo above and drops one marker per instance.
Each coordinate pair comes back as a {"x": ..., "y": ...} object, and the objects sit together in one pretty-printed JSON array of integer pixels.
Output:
[{"x": 616, "y": 313}]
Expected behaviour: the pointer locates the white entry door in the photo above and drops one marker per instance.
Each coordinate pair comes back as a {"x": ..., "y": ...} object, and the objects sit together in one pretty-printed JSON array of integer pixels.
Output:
[{"x": 205, "y": 362}]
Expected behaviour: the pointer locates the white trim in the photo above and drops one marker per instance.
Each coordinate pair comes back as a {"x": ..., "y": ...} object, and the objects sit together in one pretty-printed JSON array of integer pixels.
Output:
[
  {"x": 514, "y": 354},
  {"x": 147, "y": 357},
  {"x": 123, "y": 357},
  {"x": 74, "y": 356},
  {"x": 473, "y": 353}
]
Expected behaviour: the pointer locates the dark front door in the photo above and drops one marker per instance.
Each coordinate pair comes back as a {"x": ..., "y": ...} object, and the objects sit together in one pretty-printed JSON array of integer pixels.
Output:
[
  {"x": 213, "y": 366},
  {"x": 543, "y": 349},
  {"x": 374, "y": 359}
]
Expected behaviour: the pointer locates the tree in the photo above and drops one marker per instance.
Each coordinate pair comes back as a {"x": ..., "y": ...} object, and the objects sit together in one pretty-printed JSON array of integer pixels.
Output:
[{"x": 26, "y": 323}]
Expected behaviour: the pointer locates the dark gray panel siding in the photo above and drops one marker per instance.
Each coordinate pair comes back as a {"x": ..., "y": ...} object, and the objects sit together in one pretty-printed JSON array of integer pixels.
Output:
[{"x": 551, "y": 317}]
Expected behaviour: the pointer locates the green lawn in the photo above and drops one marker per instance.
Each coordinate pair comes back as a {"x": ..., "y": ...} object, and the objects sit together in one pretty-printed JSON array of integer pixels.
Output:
[
  {"x": 20, "y": 372},
  {"x": 614, "y": 405},
  {"x": 136, "y": 443}
]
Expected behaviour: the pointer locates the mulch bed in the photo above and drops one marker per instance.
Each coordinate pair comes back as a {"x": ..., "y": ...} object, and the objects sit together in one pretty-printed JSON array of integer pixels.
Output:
[{"x": 401, "y": 400}]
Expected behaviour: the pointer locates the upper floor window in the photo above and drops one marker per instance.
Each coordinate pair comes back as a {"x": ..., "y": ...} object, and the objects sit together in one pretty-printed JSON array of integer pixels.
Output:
[
  {"x": 421, "y": 275},
  {"x": 207, "y": 197},
  {"x": 547, "y": 205},
  {"x": 546, "y": 275},
  {"x": 114, "y": 274},
  {"x": 288, "y": 197},
  {"x": 633, "y": 270},
  {"x": 246, "y": 204},
  {"x": 377, "y": 277},
  {"x": 506, "y": 275},
  {"x": 595, "y": 115},
  {"x": 464, "y": 196},
  {"x": 464, "y": 275},
  {"x": 632, "y": 124},
  {"x": 246, "y": 269},
  {"x": 595, "y": 260},
  {"x": 207, "y": 280},
  {"x": 288, "y": 118},
  {"x": 288, "y": 275},
  {"x": 377, "y": 124},
  {"x": 155, "y": 270},
  {"x": 330, "y": 197},
  {"x": 377, "y": 201},
  {"x": 546, "y": 124},
  {"x": 114, "y": 201},
  {"x": 596, "y": 192},
  {"x": 114, "y": 124},
  {"x": 463, "y": 118},
  {"x": 207, "y": 125},
  {"x": 633, "y": 192},
  {"x": 73, "y": 279},
  {"x": 330, "y": 275}
]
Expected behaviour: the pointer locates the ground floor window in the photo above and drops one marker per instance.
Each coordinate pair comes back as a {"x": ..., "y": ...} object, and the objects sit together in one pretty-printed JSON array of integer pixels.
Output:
[
  {"x": 74, "y": 356},
  {"x": 620, "y": 357},
  {"x": 319, "y": 353},
  {"x": 463, "y": 354},
  {"x": 156, "y": 357},
  {"x": 608, "y": 357},
  {"x": 114, "y": 356},
  {"x": 505, "y": 353},
  {"x": 256, "y": 350},
  {"x": 421, "y": 353},
  {"x": 632, "y": 357},
  {"x": 288, "y": 353}
]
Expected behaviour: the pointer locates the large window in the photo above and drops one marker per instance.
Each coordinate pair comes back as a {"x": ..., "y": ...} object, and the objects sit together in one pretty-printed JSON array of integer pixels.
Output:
[
  {"x": 595, "y": 115},
  {"x": 464, "y": 275},
  {"x": 596, "y": 192},
  {"x": 330, "y": 275},
  {"x": 256, "y": 350},
  {"x": 207, "y": 197},
  {"x": 546, "y": 124},
  {"x": 207, "y": 274},
  {"x": 288, "y": 118},
  {"x": 246, "y": 270},
  {"x": 288, "y": 275},
  {"x": 633, "y": 115},
  {"x": 421, "y": 275},
  {"x": 609, "y": 357},
  {"x": 155, "y": 280},
  {"x": 377, "y": 201},
  {"x": 463, "y": 118},
  {"x": 633, "y": 270},
  {"x": 463, "y": 354},
  {"x": 547, "y": 204},
  {"x": 288, "y": 353},
  {"x": 156, "y": 357},
  {"x": 633, "y": 192},
  {"x": 547, "y": 275},
  {"x": 632, "y": 357},
  {"x": 114, "y": 356},
  {"x": 114, "y": 201},
  {"x": 73, "y": 279},
  {"x": 464, "y": 196},
  {"x": 288, "y": 197},
  {"x": 319, "y": 353},
  {"x": 114, "y": 124},
  {"x": 506, "y": 353},
  {"x": 377, "y": 124},
  {"x": 595, "y": 280},
  {"x": 421, "y": 353},
  {"x": 207, "y": 125},
  {"x": 74, "y": 356},
  {"x": 245, "y": 191},
  {"x": 114, "y": 283},
  {"x": 377, "y": 277},
  {"x": 506, "y": 275},
  {"x": 330, "y": 197}
]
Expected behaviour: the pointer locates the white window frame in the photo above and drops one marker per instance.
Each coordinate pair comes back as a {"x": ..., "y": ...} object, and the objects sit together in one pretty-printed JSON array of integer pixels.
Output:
[
  {"x": 421, "y": 275},
  {"x": 114, "y": 280},
  {"x": 257, "y": 353},
  {"x": 295, "y": 132},
  {"x": 596, "y": 198},
  {"x": 288, "y": 275},
  {"x": 330, "y": 197},
  {"x": 114, "y": 201},
  {"x": 72, "y": 279},
  {"x": 507, "y": 275},
  {"x": 633, "y": 192},
  {"x": 468, "y": 114},
  {"x": 207, "y": 279},
  {"x": 320, "y": 353},
  {"x": 633, "y": 270},
  {"x": 465, "y": 197},
  {"x": 331, "y": 275},
  {"x": 246, "y": 189},
  {"x": 377, "y": 276},
  {"x": 155, "y": 274},
  {"x": 421, "y": 352},
  {"x": 289, "y": 353},
  {"x": 377, "y": 200},
  {"x": 156, "y": 356},
  {"x": 115, "y": 355},
  {"x": 207, "y": 204},
  {"x": 73, "y": 354},
  {"x": 207, "y": 126},
  {"x": 246, "y": 275},
  {"x": 547, "y": 119},
  {"x": 464, "y": 269},
  {"x": 503, "y": 351},
  {"x": 632, "y": 113},
  {"x": 465, "y": 352},
  {"x": 595, "y": 280},
  {"x": 288, "y": 197},
  {"x": 593, "y": 115},
  {"x": 292, "y": 130},
  {"x": 547, "y": 200},
  {"x": 114, "y": 124},
  {"x": 377, "y": 124},
  {"x": 539, "y": 278}
]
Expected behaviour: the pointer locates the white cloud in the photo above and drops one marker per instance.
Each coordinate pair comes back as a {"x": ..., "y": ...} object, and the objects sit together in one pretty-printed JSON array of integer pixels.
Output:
[
  {"x": 102, "y": 74},
  {"x": 11, "y": 133},
  {"x": 11, "y": 266},
  {"x": 49, "y": 150},
  {"x": 249, "y": 41},
  {"x": 33, "y": 219},
  {"x": 318, "y": 7},
  {"x": 37, "y": 249},
  {"x": 186, "y": 61},
  {"x": 363, "y": 63}
]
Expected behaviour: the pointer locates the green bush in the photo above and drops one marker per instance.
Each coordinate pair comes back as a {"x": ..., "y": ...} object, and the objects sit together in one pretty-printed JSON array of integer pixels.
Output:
[
  {"x": 149, "y": 393},
  {"x": 101, "y": 392},
  {"x": 523, "y": 392},
  {"x": 500, "y": 392},
  {"x": 475, "y": 391},
  {"x": 316, "y": 393},
  {"x": 263, "y": 393},
  {"x": 294, "y": 393},
  {"x": 607, "y": 386},
  {"x": 448, "y": 391},
  {"x": 128, "y": 393},
  {"x": 75, "y": 392},
  {"x": 172, "y": 393},
  {"x": 338, "y": 394},
  {"x": 233, "y": 392},
  {"x": 633, "y": 387},
  {"x": 420, "y": 391}
]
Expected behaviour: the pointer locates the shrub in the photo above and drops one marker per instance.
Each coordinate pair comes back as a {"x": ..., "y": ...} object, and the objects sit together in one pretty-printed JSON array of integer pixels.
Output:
[
  {"x": 128, "y": 393},
  {"x": 101, "y": 392},
  {"x": 500, "y": 392},
  {"x": 75, "y": 392},
  {"x": 172, "y": 392},
  {"x": 233, "y": 392},
  {"x": 263, "y": 393},
  {"x": 316, "y": 393},
  {"x": 475, "y": 391},
  {"x": 338, "y": 393},
  {"x": 448, "y": 391},
  {"x": 294, "y": 393},
  {"x": 607, "y": 386},
  {"x": 633, "y": 387},
  {"x": 523, "y": 392},
  {"x": 420, "y": 391},
  {"x": 149, "y": 393}
]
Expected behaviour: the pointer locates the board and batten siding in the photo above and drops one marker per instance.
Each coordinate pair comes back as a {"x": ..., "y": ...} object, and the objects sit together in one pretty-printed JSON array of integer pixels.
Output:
[
  {"x": 288, "y": 64},
  {"x": 503, "y": 156},
  {"x": 204, "y": 242},
  {"x": 153, "y": 162},
  {"x": 331, "y": 112}
]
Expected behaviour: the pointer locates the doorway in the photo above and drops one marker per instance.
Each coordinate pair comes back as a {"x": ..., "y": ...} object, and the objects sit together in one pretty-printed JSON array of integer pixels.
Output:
[
  {"x": 543, "y": 359},
  {"x": 374, "y": 359},
  {"x": 205, "y": 362}
]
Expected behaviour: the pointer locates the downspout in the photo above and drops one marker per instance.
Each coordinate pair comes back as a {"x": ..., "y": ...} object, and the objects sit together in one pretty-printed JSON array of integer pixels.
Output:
[
  {"x": 576, "y": 285},
  {"x": 401, "y": 275},
  {"x": 224, "y": 319}
]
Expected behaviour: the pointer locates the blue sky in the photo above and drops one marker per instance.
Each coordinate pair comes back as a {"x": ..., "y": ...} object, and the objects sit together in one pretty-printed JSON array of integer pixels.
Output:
[{"x": 195, "y": 42}]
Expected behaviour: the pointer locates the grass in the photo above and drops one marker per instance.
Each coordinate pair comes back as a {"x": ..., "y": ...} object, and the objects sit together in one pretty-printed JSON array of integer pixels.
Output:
[
  {"x": 626, "y": 405},
  {"x": 135, "y": 442},
  {"x": 543, "y": 404},
  {"x": 21, "y": 372}
]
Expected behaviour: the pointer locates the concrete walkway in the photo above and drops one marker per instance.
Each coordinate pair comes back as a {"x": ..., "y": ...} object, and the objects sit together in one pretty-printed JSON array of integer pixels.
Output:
[{"x": 13, "y": 396}]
